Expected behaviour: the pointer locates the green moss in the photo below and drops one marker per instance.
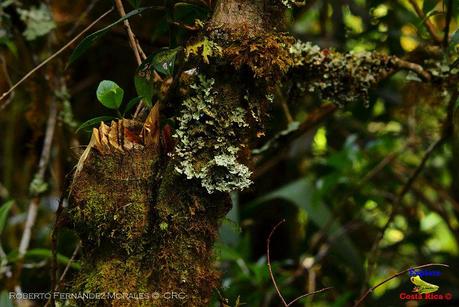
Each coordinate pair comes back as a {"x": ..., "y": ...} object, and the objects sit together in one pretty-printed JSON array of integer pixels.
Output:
[
  {"x": 110, "y": 203},
  {"x": 113, "y": 276}
]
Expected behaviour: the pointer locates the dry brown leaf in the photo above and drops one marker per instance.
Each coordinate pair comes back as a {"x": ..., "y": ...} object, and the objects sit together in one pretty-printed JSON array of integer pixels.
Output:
[{"x": 150, "y": 130}]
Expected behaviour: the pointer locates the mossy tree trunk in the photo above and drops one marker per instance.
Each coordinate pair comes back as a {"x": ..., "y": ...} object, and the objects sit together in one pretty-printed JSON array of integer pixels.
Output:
[{"x": 145, "y": 227}]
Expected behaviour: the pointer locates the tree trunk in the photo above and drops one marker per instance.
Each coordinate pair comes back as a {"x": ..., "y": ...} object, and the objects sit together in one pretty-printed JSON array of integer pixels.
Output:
[{"x": 146, "y": 229}]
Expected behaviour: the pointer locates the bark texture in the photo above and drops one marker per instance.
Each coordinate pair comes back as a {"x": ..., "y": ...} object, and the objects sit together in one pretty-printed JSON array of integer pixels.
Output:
[{"x": 146, "y": 230}]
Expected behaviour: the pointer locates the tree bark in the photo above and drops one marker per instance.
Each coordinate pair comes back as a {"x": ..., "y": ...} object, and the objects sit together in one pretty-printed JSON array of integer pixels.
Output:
[{"x": 146, "y": 230}]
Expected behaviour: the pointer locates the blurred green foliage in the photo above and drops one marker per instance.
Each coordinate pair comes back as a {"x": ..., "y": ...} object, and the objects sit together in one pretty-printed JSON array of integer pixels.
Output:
[{"x": 335, "y": 184}]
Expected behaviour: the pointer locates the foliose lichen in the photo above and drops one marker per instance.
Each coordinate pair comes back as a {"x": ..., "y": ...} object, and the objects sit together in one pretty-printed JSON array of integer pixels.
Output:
[
  {"x": 291, "y": 3},
  {"x": 208, "y": 142},
  {"x": 38, "y": 20},
  {"x": 341, "y": 78}
]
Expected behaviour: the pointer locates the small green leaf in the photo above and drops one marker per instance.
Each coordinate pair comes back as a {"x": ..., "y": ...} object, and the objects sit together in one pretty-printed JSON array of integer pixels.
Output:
[
  {"x": 133, "y": 102},
  {"x": 145, "y": 89},
  {"x": 93, "y": 122},
  {"x": 164, "y": 61},
  {"x": 110, "y": 94},
  {"x": 4, "y": 210},
  {"x": 43, "y": 253},
  {"x": 89, "y": 40}
]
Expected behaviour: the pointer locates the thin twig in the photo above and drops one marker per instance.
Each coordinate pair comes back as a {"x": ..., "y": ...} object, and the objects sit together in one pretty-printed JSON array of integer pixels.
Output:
[
  {"x": 56, "y": 286},
  {"x": 134, "y": 43},
  {"x": 67, "y": 267},
  {"x": 308, "y": 294},
  {"x": 416, "y": 68},
  {"x": 54, "y": 54},
  {"x": 268, "y": 257},
  {"x": 56, "y": 227},
  {"x": 363, "y": 297},
  {"x": 429, "y": 26},
  {"x": 132, "y": 40}
]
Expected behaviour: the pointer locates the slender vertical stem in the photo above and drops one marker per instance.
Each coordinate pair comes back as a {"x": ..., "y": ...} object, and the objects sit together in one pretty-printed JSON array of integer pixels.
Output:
[{"x": 132, "y": 39}]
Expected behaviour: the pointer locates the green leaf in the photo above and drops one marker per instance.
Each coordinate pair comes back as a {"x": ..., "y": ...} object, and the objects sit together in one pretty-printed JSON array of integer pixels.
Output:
[
  {"x": 43, "y": 253},
  {"x": 164, "y": 61},
  {"x": 93, "y": 122},
  {"x": 132, "y": 103},
  {"x": 110, "y": 94},
  {"x": 145, "y": 89},
  {"x": 4, "y": 210},
  {"x": 89, "y": 40}
]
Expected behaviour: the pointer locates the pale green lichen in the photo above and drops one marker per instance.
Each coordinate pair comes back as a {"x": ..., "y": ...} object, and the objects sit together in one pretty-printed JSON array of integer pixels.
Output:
[
  {"x": 291, "y": 3},
  {"x": 38, "y": 20},
  {"x": 37, "y": 186},
  {"x": 208, "y": 143},
  {"x": 341, "y": 78}
]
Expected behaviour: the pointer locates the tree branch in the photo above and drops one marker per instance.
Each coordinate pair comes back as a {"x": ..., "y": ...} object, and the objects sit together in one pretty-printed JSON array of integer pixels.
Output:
[
  {"x": 416, "y": 68},
  {"x": 268, "y": 245},
  {"x": 132, "y": 39},
  {"x": 429, "y": 26}
]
